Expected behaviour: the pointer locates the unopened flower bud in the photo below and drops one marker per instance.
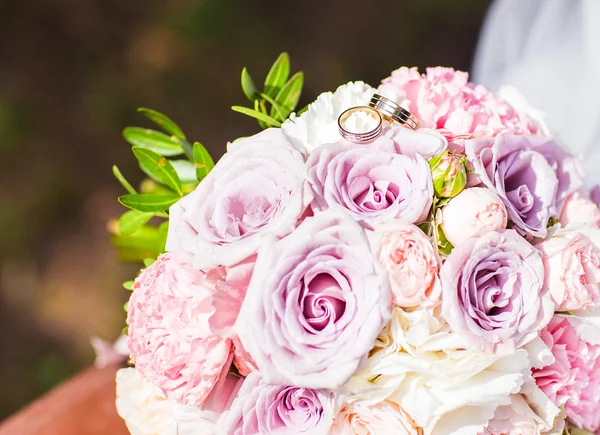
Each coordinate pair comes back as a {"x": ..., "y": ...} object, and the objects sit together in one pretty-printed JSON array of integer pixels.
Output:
[{"x": 449, "y": 174}]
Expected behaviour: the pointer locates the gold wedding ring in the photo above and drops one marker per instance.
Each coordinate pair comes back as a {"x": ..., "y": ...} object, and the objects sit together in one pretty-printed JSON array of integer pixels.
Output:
[
  {"x": 360, "y": 137},
  {"x": 393, "y": 112}
]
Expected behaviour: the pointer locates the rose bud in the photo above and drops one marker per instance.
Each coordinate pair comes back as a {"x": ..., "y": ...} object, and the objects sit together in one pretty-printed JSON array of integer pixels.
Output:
[
  {"x": 449, "y": 174},
  {"x": 474, "y": 212}
]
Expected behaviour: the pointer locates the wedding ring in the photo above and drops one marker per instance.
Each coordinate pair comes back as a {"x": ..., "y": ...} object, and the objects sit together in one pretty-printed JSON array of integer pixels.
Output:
[
  {"x": 360, "y": 137},
  {"x": 393, "y": 112}
]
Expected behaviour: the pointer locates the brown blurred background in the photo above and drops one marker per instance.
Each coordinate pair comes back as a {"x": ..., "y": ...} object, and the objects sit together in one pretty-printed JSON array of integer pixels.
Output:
[{"x": 72, "y": 73}]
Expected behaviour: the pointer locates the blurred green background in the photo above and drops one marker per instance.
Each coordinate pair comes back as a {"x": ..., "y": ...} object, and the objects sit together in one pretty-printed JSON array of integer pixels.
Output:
[{"x": 71, "y": 76}]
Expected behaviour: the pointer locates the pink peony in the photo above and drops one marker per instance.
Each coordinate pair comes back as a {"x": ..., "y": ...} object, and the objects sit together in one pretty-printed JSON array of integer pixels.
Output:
[
  {"x": 573, "y": 379},
  {"x": 383, "y": 418},
  {"x": 444, "y": 99},
  {"x": 411, "y": 262},
  {"x": 178, "y": 321},
  {"x": 581, "y": 209},
  {"x": 473, "y": 213},
  {"x": 572, "y": 264}
]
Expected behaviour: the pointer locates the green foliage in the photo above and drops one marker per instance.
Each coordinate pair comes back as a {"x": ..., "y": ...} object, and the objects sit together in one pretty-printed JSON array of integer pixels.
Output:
[
  {"x": 279, "y": 97},
  {"x": 148, "y": 202},
  {"x": 128, "y": 285},
  {"x": 132, "y": 220},
  {"x": 153, "y": 140},
  {"x": 126, "y": 185},
  {"x": 203, "y": 162},
  {"x": 159, "y": 167},
  {"x": 163, "y": 121}
]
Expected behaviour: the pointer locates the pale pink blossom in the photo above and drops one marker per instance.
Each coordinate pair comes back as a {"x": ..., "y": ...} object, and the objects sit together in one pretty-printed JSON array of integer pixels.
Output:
[
  {"x": 411, "y": 262},
  {"x": 516, "y": 418},
  {"x": 572, "y": 381},
  {"x": 581, "y": 209},
  {"x": 380, "y": 419},
  {"x": 473, "y": 213},
  {"x": 572, "y": 265}
]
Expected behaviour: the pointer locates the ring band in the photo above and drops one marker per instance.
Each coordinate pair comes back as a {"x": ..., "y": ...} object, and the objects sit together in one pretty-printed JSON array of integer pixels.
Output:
[
  {"x": 392, "y": 111},
  {"x": 367, "y": 136}
]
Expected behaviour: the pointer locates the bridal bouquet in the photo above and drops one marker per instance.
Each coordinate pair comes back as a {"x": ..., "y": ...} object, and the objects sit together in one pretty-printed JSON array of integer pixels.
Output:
[{"x": 420, "y": 258}]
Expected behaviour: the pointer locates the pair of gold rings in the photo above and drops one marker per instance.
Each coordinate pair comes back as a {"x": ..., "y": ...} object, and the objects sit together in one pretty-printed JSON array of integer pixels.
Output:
[{"x": 379, "y": 109}]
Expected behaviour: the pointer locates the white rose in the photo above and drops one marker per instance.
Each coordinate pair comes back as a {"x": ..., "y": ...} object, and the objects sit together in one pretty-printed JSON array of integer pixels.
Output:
[
  {"x": 146, "y": 411},
  {"x": 473, "y": 213},
  {"x": 446, "y": 386}
]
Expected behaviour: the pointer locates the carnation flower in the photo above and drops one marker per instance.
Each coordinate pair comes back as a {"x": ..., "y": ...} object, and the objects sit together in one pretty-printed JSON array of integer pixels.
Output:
[
  {"x": 319, "y": 124},
  {"x": 444, "y": 99},
  {"x": 572, "y": 264},
  {"x": 146, "y": 411},
  {"x": 516, "y": 418},
  {"x": 442, "y": 383},
  {"x": 532, "y": 175},
  {"x": 412, "y": 263},
  {"x": 176, "y": 331},
  {"x": 580, "y": 209},
  {"x": 473, "y": 213},
  {"x": 261, "y": 408},
  {"x": 573, "y": 379},
  {"x": 317, "y": 300},
  {"x": 256, "y": 189},
  {"x": 493, "y": 293},
  {"x": 370, "y": 184},
  {"x": 383, "y": 418}
]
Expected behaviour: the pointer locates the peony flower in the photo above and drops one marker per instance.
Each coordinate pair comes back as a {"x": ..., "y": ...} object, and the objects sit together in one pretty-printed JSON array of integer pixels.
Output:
[
  {"x": 412, "y": 263},
  {"x": 572, "y": 264},
  {"x": 493, "y": 292},
  {"x": 369, "y": 183},
  {"x": 444, "y": 99},
  {"x": 261, "y": 408},
  {"x": 473, "y": 213},
  {"x": 573, "y": 379},
  {"x": 254, "y": 190},
  {"x": 176, "y": 331},
  {"x": 444, "y": 384},
  {"x": 580, "y": 209},
  {"x": 319, "y": 124},
  {"x": 146, "y": 411},
  {"x": 531, "y": 174},
  {"x": 317, "y": 300},
  {"x": 242, "y": 359},
  {"x": 516, "y": 418},
  {"x": 383, "y": 418}
]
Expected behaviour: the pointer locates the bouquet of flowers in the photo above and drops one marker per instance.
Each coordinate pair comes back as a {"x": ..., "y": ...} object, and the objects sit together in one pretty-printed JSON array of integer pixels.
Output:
[{"x": 420, "y": 258}]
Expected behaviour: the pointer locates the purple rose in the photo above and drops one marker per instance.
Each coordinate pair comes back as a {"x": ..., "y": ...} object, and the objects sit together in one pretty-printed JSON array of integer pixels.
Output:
[
  {"x": 492, "y": 291},
  {"x": 262, "y": 408},
  {"x": 316, "y": 302},
  {"x": 532, "y": 175},
  {"x": 255, "y": 190},
  {"x": 371, "y": 183}
]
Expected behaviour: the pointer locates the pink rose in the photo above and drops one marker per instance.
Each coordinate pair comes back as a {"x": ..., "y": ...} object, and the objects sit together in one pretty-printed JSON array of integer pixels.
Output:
[
  {"x": 263, "y": 408},
  {"x": 255, "y": 190},
  {"x": 383, "y": 418},
  {"x": 573, "y": 380},
  {"x": 572, "y": 265},
  {"x": 412, "y": 263},
  {"x": 179, "y": 322},
  {"x": 516, "y": 418},
  {"x": 473, "y": 213},
  {"x": 444, "y": 99},
  {"x": 580, "y": 209}
]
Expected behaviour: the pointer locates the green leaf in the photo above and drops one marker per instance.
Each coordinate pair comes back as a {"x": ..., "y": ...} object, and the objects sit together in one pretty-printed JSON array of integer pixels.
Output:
[
  {"x": 133, "y": 220},
  {"x": 163, "y": 121},
  {"x": 278, "y": 75},
  {"x": 145, "y": 202},
  {"x": 186, "y": 171},
  {"x": 248, "y": 86},
  {"x": 153, "y": 140},
  {"x": 202, "y": 161},
  {"x": 254, "y": 114},
  {"x": 288, "y": 96},
  {"x": 149, "y": 261},
  {"x": 128, "y": 285},
  {"x": 117, "y": 173},
  {"x": 148, "y": 242},
  {"x": 276, "y": 110},
  {"x": 126, "y": 306},
  {"x": 159, "y": 167}
]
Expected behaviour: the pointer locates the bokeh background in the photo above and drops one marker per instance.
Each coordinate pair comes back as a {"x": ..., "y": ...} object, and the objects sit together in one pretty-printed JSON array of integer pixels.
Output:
[{"x": 72, "y": 73}]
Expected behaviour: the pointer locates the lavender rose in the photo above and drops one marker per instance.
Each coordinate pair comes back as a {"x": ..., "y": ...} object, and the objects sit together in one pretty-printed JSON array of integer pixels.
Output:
[
  {"x": 255, "y": 189},
  {"x": 373, "y": 184},
  {"x": 261, "y": 408},
  {"x": 492, "y": 291},
  {"x": 316, "y": 302},
  {"x": 532, "y": 175}
]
